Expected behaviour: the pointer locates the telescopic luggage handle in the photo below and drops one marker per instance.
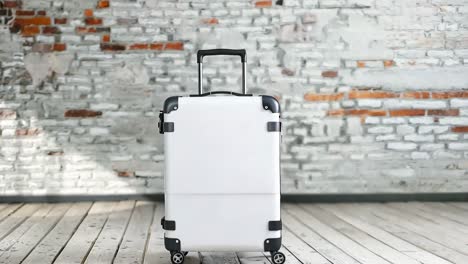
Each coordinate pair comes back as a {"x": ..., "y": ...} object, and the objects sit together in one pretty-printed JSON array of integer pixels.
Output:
[{"x": 216, "y": 52}]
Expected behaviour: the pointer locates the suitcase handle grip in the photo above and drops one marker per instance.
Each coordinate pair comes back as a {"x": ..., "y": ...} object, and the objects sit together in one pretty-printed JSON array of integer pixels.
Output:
[
  {"x": 220, "y": 92},
  {"x": 216, "y": 52}
]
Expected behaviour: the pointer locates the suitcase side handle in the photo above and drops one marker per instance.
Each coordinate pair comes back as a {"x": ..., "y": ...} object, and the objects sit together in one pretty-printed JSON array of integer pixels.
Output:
[{"x": 216, "y": 52}]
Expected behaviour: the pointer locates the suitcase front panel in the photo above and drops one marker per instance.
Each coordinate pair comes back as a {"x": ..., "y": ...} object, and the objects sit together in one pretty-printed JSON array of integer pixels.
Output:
[{"x": 221, "y": 145}]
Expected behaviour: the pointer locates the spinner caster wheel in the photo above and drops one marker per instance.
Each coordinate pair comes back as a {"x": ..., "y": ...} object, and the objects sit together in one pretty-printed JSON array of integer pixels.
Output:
[
  {"x": 177, "y": 257},
  {"x": 278, "y": 257}
]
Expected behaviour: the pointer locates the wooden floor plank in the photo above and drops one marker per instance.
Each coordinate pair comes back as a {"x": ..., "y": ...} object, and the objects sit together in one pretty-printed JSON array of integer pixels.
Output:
[
  {"x": 432, "y": 215},
  {"x": 109, "y": 239},
  {"x": 449, "y": 238},
  {"x": 133, "y": 246},
  {"x": 314, "y": 240},
  {"x": 252, "y": 258},
  {"x": 460, "y": 205},
  {"x": 46, "y": 251},
  {"x": 80, "y": 243},
  {"x": 388, "y": 238},
  {"x": 16, "y": 234},
  {"x": 302, "y": 250},
  {"x": 352, "y": 248},
  {"x": 16, "y": 218},
  {"x": 8, "y": 209},
  {"x": 18, "y": 251},
  {"x": 379, "y": 248},
  {"x": 450, "y": 212},
  {"x": 219, "y": 258},
  {"x": 401, "y": 230}
]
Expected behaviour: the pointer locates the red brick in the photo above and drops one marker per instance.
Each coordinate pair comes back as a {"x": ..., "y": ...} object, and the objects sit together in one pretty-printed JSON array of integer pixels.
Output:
[
  {"x": 50, "y": 30},
  {"x": 85, "y": 30},
  {"x": 174, "y": 46},
  {"x": 7, "y": 114},
  {"x": 106, "y": 38},
  {"x": 371, "y": 94},
  {"x": 366, "y": 112},
  {"x": 112, "y": 47},
  {"x": 88, "y": 13},
  {"x": 55, "y": 153},
  {"x": 330, "y": 74},
  {"x": 125, "y": 173},
  {"x": 460, "y": 129},
  {"x": 388, "y": 63},
  {"x": 29, "y": 31},
  {"x": 28, "y": 132},
  {"x": 416, "y": 95},
  {"x": 41, "y": 13},
  {"x": 323, "y": 97},
  {"x": 10, "y": 4},
  {"x": 336, "y": 112},
  {"x": 262, "y": 4},
  {"x": 60, "y": 21},
  {"x": 451, "y": 94},
  {"x": 443, "y": 112},
  {"x": 156, "y": 46},
  {"x": 408, "y": 112},
  {"x": 139, "y": 46},
  {"x": 25, "y": 12},
  {"x": 82, "y": 113},
  {"x": 60, "y": 46},
  {"x": 93, "y": 21},
  {"x": 360, "y": 64},
  {"x": 103, "y": 4},
  {"x": 210, "y": 21},
  {"x": 33, "y": 21}
]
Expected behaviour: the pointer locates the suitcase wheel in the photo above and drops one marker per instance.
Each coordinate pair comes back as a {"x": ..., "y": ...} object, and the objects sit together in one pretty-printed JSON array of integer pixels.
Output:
[
  {"x": 278, "y": 257},
  {"x": 178, "y": 257}
]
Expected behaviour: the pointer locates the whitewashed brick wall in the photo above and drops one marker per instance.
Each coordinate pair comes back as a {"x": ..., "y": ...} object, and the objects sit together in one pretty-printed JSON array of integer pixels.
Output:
[{"x": 374, "y": 93}]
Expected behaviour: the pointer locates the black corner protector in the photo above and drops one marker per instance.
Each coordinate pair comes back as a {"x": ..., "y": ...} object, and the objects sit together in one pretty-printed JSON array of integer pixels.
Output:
[
  {"x": 272, "y": 244},
  {"x": 275, "y": 225},
  {"x": 270, "y": 103},
  {"x": 169, "y": 225},
  {"x": 168, "y": 127},
  {"x": 171, "y": 104},
  {"x": 274, "y": 126},
  {"x": 172, "y": 244}
]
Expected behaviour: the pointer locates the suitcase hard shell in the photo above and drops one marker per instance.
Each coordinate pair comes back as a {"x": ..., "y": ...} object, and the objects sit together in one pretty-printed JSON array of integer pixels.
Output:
[{"x": 222, "y": 171}]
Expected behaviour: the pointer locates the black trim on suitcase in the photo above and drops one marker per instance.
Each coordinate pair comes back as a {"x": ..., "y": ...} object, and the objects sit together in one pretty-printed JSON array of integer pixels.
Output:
[
  {"x": 270, "y": 103},
  {"x": 274, "y": 126},
  {"x": 275, "y": 225},
  {"x": 168, "y": 127},
  {"x": 219, "y": 92},
  {"x": 168, "y": 224},
  {"x": 272, "y": 244},
  {"x": 172, "y": 244},
  {"x": 171, "y": 104}
]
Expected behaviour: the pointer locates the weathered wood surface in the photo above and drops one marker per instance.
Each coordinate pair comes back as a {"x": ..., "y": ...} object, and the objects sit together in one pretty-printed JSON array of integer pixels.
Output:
[{"x": 130, "y": 232}]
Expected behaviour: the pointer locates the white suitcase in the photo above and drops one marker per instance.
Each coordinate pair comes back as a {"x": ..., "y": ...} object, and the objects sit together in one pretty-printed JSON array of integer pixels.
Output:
[{"x": 222, "y": 171}]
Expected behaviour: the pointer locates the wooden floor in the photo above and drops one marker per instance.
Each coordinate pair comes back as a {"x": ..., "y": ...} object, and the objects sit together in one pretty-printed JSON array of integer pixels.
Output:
[{"x": 130, "y": 232}]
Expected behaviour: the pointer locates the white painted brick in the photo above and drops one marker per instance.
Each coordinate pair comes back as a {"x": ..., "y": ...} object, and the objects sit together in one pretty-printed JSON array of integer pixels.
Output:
[
  {"x": 380, "y": 130},
  {"x": 431, "y": 146},
  {"x": 372, "y": 120},
  {"x": 393, "y": 120},
  {"x": 354, "y": 126},
  {"x": 371, "y": 103},
  {"x": 421, "y": 120},
  {"x": 404, "y": 129},
  {"x": 401, "y": 146},
  {"x": 432, "y": 129},
  {"x": 420, "y": 155},
  {"x": 98, "y": 131},
  {"x": 388, "y": 137},
  {"x": 419, "y": 138},
  {"x": 458, "y": 103},
  {"x": 451, "y": 137},
  {"x": 453, "y": 120}
]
